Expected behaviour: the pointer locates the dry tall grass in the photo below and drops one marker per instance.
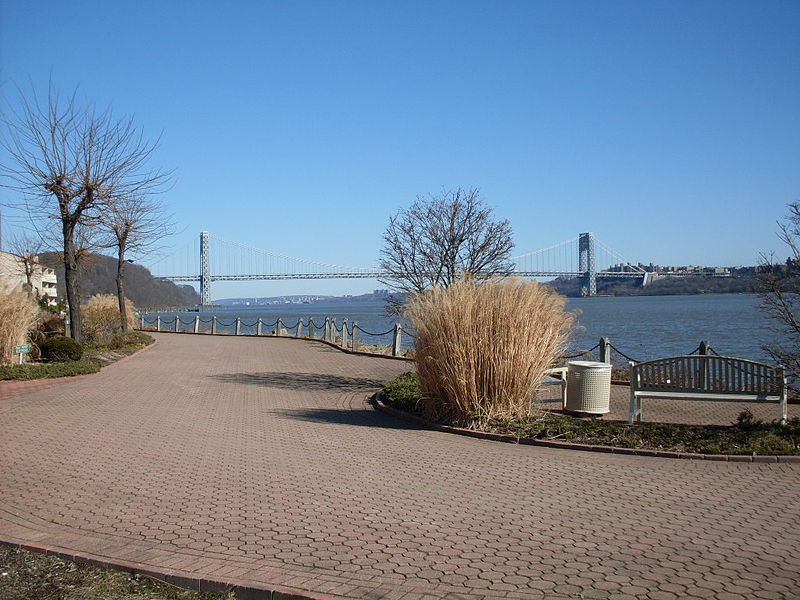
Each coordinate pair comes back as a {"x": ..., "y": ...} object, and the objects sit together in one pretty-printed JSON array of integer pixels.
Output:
[
  {"x": 101, "y": 317},
  {"x": 19, "y": 315},
  {"x": 482, "y": 347}
]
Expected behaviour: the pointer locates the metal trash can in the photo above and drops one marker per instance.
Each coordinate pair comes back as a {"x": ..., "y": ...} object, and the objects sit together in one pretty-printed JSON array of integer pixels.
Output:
[{"x": 588, "y": 387}]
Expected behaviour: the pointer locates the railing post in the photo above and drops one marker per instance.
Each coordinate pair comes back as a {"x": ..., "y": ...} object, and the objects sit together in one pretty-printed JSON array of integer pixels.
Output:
[
  {"x": 196, "y": 323},
  {"x": 605, "y": 350},
  {"x": 177, "y": 323},
  {"x": 258, "y": 326},
  {"x": 333, "y": 330},
  {"x": 158, "y": 323},
  {"x": 344, "y": 333},
  {"x": 355, "y": 336},
  {"x": 299, "y": 326},
  {"x": 705, "y": 349},
  {"x": 398, "y": 334},
  {"x": 141, "y": 321},
  {"x": 311, "y": 329},
  {"x": 238, "y": 325},
  {"x": 213, "y": 324}
]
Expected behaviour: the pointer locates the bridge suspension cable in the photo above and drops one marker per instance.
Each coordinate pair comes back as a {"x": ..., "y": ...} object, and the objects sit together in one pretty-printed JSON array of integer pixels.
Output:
[
  {"x": 295, "y": 259},
  {"x": 228, "y": 260},
  {"x": 617, "y": 256}
]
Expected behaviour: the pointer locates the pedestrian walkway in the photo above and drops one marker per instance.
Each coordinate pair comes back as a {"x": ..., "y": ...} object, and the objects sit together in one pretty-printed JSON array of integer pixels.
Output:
[{"x": 257, "y": 461}]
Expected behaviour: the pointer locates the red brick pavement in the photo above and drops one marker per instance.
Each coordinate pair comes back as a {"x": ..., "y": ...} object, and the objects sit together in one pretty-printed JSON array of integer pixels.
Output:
[{"x": 257, "y": 461}]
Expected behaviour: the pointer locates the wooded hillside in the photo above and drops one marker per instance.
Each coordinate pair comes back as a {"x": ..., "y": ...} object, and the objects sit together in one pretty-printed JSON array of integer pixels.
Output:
[
  {"x": 667, "y": 286},
  {"x": 98, "y": 277}
]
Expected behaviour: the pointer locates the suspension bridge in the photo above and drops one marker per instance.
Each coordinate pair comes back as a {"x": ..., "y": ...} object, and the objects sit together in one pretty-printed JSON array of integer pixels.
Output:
[{"x": 225, "y": 260}]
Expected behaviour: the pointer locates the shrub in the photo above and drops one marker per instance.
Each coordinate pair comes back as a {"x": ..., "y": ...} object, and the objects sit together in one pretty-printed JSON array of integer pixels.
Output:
[
  {"x": 53, "y": 323},
  {"x": 130, "y": 338},
  {"x": 61, "y": 349},
  {"x": 483, "y": 347},
  {"x": 48, "y": 370},
  {"x": 403, "y": 392},
  {"x": 137, "y": 337},
  {"x": 19, "y": 314},
  {"x": 101, "y": 317}
]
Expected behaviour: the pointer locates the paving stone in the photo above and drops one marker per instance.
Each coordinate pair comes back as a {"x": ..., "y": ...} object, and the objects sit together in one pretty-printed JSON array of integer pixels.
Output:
[{"x": 260, "y": 460}]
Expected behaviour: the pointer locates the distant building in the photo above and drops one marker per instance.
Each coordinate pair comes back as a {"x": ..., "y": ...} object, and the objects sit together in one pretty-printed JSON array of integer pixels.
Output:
[{"x": 13, "y": 275}]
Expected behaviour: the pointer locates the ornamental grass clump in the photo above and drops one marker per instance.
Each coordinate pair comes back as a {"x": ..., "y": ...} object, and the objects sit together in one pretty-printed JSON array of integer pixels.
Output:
[
  {"x": 19, "y": 315},
  {"x": 101, "y": 318},
  {"x": 482, "y": 347}
]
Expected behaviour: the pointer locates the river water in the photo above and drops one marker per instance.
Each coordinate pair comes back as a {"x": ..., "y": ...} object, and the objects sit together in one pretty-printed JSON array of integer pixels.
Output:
[{"x": 643, "y": 327}]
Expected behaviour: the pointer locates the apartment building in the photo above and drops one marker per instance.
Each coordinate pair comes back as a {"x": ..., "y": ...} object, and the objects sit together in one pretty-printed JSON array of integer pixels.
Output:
[{"x": 14, "y": 273}]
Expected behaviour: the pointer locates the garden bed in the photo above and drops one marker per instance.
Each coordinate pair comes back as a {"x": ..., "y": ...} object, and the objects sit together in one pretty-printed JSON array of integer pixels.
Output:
[
  {"x": 747, "y": 436},
  {"x": 25, "y": 575},
  {"x": 94, "y": 357}
]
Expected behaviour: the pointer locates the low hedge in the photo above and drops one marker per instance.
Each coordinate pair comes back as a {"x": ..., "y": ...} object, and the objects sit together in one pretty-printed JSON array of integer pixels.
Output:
[
  {"x": 48, "y": 370},
  {"x": 60, "y": 349}
]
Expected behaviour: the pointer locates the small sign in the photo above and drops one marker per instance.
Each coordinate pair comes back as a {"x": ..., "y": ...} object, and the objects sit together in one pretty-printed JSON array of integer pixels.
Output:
[{"x": 24, "y": 349}]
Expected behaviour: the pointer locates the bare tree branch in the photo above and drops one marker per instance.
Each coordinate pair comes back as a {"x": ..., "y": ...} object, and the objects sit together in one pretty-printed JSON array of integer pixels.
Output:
[
  {"x": 442, "y": 237},
  {"x": 72, "y": 162},
  {"x": 27, "y": 247},
  {"x": 137, "y": 224},
  {"x": 779, "y": 289}
]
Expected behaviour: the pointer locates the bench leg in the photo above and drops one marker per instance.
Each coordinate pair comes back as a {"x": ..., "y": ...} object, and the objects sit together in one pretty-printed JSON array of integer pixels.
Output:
[{"x": 635, "y": 409}]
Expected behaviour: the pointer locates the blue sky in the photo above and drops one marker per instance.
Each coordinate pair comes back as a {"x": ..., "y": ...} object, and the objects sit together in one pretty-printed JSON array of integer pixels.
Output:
[{"x": 669, "y": 129}]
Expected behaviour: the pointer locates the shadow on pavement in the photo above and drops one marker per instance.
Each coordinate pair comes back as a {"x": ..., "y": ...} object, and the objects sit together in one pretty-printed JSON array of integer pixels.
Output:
[
  {"x": 300, "y": 381},
  {"x": 359, "y": 417}
]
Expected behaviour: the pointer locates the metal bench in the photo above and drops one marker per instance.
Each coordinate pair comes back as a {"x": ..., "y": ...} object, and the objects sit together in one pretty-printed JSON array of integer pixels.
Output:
[{"x": 706, "y": 376}]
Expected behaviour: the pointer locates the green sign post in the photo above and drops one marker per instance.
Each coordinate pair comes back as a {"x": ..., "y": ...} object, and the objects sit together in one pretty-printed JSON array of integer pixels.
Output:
[{"x": 22, "y": 350}]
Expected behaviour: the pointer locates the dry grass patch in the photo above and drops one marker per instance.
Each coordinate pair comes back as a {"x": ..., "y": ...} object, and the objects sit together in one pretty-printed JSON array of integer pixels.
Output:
[
  {"x": 483, "y": 346},
  {"x": 19, "y": 315},
  {"x": 101, "y": 317}
]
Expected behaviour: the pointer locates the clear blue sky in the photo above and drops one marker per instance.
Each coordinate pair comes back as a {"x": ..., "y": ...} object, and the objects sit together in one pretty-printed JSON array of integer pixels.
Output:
[{"x": 670, "y": 129}]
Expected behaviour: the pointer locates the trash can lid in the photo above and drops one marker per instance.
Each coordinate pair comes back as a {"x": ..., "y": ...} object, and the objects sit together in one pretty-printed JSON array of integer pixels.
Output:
[{"x": 586, "y": 364}]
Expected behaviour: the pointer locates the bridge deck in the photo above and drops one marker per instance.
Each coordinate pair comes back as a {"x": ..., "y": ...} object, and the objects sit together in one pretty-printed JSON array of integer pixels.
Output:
[{"x": 257, "y": 460}]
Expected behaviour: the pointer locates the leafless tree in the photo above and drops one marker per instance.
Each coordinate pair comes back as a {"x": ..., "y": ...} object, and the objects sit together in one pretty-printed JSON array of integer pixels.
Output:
[
  {"x": 137, "y": 225},
  {"x": 71, "y": 162},
  {"x": 27, "y": 246},
  {"x": 779, "y": 289},
  {"x": 441, "y": 237}
]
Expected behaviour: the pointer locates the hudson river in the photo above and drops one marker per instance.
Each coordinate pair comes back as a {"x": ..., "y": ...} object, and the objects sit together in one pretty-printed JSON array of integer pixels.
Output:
[{"x": 643, "y": 327}]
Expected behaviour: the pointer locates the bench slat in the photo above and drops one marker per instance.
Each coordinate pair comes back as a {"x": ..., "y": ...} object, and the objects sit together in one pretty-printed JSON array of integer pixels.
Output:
[
  {"x": 706, "y": 376},
  {"x": 705, "y": 395}
]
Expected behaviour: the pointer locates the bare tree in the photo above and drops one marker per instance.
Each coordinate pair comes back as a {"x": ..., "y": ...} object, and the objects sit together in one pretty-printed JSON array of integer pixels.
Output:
[
  {"x": 779, "y": 289},
  {"x": 27, "y": 246},
  {"x": 137, "y": 224},
  {"x": 71, "y": 162},
  {"x": 442, "y": 237}
]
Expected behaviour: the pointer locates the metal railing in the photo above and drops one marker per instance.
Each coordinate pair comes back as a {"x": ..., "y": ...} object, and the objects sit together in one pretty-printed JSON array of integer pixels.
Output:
[
  {"x": 347, "y": 335},
  {"x": 350, "y": 335}
]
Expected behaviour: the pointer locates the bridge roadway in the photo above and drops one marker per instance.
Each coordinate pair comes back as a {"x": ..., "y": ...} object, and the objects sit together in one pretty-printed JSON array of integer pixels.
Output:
[
  {"x": 377, "y": 275},
  {"x": 258, "y": 461}
]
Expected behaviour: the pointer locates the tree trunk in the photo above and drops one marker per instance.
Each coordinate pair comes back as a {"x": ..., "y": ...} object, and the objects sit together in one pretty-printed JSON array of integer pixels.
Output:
[
  {"x": 27, "y": 262},
  {"x": 123, "y": 309},
  {"x": 71, "y": 283}
]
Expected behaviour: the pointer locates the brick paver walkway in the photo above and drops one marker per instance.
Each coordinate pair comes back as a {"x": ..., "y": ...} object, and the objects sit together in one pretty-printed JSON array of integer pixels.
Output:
[{"x": 257, "y": 460}]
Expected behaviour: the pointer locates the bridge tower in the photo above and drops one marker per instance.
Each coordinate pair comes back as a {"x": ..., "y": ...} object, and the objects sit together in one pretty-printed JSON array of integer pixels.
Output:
[
  {"x": 586, "y": 264},
  {"x": 205, "y": 270}
]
